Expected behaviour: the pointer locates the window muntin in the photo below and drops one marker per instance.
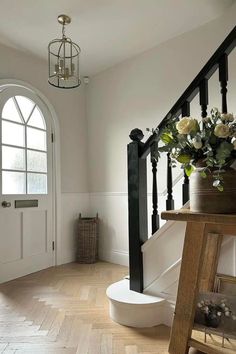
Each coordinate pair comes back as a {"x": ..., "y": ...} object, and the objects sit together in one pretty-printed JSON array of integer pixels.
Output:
[{"x": 24, "y": 147}]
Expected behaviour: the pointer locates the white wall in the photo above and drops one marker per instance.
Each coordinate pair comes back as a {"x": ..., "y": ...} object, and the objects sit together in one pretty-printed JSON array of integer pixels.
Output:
[
  {"x": 70, "y": 109},
  {"x": 138, "y": 93}
]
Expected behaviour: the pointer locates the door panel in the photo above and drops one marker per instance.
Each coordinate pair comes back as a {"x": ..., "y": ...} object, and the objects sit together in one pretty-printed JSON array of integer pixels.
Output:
[
  {"x": 26, "y": 233},
  {"x": 35, "y": 232},
  {"x": 11, "y": 237}
]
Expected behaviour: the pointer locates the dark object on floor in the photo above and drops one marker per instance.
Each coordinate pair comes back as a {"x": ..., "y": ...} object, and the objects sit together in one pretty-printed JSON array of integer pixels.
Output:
[{"x": 87, "y": 249}]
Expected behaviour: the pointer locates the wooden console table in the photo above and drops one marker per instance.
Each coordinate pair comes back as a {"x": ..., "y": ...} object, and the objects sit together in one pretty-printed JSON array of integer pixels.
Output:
[{"x": 202, "y": 244}]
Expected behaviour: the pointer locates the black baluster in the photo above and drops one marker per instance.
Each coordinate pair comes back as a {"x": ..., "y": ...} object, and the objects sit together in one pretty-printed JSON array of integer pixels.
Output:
[
  {"x": 186, "y": 109},
  {"x": 223, "y": 78},
  {"x": 203, "y": 97},
  {"x": 137, "y": 199},
  {"x": 155, "y": 215},
  {"x": 169, "y": 200},
  {"x": 185, "y": 187}
]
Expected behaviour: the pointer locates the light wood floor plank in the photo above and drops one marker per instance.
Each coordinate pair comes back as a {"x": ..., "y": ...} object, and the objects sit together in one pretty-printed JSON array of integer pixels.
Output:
[{"x": 64, "y": 310}]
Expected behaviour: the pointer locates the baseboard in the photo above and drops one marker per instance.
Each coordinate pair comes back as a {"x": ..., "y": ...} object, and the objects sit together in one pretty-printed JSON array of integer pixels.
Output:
[
  {"x": 68, "y": 259},
  {"x": 115, "y": 256}
]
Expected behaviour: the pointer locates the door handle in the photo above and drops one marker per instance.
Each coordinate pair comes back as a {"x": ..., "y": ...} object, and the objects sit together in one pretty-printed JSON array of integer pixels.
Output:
[{"x": 6, "y": 204}]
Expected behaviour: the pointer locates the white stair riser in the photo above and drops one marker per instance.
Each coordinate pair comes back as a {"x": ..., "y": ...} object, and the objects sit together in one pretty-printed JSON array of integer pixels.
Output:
[
  {"x": 161, "y": 252},
  {"x": 165, "y": 285},
  {"x": 162, "y": 286}
]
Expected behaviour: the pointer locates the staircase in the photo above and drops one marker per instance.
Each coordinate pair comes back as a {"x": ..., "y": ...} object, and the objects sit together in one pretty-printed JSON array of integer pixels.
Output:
[{"x": 147, "y": 298}]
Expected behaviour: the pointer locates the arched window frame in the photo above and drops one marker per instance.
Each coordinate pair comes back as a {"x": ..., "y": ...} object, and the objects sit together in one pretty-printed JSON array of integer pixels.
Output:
[{"x": 5, "y": 95}]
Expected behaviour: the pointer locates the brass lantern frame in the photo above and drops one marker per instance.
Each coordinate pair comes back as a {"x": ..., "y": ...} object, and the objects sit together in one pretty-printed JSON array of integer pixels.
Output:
[{"x": 63, "y": 59}]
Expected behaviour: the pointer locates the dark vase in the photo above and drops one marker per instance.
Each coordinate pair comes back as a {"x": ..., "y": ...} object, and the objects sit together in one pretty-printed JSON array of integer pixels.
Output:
[
  {"x": 204, "y": 198},
  {"x": 212, "y": 320}
]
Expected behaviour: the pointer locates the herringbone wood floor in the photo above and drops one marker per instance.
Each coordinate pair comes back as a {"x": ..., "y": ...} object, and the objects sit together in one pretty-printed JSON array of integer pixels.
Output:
[{"x": 65, "y": 310}]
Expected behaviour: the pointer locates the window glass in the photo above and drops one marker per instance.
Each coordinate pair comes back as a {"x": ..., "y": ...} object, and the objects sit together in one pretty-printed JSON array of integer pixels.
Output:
[
  {"x": 26, "y": 106},
  {"x": 13, "y": 182},
  {"x": 37, "y": 183},
  {"x": 13, "y": 134},
  {"x": 13, "y": 158},
  {"x": 10, "y": 111},
  {"x": 36, "y": 161},
  {"x": 36, "y": 119},
  {"x": 24, "y": 147},
  {"x": 36, "y": 139}
]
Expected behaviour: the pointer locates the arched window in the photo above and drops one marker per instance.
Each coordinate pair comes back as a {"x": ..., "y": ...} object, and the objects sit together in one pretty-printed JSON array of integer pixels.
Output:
[{"x": 24, "y": 147}]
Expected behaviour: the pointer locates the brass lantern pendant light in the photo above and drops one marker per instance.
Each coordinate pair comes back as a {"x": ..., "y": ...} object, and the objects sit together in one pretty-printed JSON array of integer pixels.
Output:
[{"x": 63, "y": 59}]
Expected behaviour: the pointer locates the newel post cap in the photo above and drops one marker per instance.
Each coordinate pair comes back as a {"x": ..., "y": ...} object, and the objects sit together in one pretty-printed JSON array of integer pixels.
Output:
[{"x": 136, "y": 134}]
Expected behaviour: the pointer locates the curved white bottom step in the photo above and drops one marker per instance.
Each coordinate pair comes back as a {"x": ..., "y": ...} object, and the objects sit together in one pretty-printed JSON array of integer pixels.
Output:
[{"x": 133, "y": 309}]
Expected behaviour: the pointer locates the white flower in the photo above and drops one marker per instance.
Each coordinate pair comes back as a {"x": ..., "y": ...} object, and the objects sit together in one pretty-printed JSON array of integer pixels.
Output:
[
  {"x": 227, "y": 313},
  {"x": 218, "y": 313},
  {"x": 221, "y": 130},
  {"x": 234, "y": 143},
  {"x": 187, "y": 125},
  {"x": 227, "y": 117},
  {"x": 199, "y": 305},
  {"x": 197, "y": 143}
]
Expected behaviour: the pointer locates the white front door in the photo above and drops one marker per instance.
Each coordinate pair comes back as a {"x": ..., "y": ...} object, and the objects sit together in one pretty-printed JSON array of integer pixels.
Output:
[{"x": 26, "y": 198}]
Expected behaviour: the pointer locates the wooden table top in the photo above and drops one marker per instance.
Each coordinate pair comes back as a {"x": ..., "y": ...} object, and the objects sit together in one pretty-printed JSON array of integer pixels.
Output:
[{"x": 187, "y": 215}]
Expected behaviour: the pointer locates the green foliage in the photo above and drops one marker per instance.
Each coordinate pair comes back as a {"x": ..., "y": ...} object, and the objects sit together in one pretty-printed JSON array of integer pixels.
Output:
[
  {"x": 183, "y": 158},
  {"x": 203, "y": 174},
  {"x": 188, "y": 169},
  {"x": 190, "y": 142},
  {"x": 167, "y": 138}
]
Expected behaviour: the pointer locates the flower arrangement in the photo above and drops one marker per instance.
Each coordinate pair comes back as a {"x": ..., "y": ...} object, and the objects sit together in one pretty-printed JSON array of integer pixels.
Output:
[
  {"x": 210, "y": 143},
  {"x": 214, "y": 311}
]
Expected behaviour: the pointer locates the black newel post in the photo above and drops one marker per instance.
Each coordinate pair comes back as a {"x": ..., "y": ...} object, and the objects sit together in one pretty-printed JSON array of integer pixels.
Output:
[
  {"x": 137, "y": 200},
  {"x": 155, "y": 216}
]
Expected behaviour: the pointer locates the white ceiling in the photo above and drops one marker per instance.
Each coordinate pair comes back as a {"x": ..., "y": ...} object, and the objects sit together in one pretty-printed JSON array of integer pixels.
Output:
[{"x": 108, "y": 31}]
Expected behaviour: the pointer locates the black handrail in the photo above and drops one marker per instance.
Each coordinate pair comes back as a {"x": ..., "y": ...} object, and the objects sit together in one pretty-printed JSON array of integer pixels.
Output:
[{"x": 207, "y": 71}]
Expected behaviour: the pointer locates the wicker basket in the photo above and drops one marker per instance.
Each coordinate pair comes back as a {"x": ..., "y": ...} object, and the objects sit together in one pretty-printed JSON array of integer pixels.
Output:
[{"x": 87, "y": 251}]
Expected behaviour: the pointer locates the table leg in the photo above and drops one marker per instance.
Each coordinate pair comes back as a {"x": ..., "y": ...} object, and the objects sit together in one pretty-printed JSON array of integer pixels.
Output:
[{"x": 192, "y": 260}]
